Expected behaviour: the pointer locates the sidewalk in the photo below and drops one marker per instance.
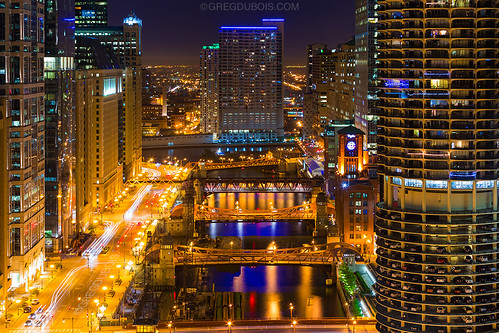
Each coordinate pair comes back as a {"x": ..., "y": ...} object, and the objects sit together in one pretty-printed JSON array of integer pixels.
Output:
[
  {"x": 16, "y": 307},
  {"x": 113, "y": 302}
]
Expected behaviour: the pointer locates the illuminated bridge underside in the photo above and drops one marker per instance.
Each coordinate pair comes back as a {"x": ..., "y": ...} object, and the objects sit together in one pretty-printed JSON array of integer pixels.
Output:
[
  {"x": 303, "y": 212},
  {"x": 259, "y": 185},
  {"x": 244, "y": 164},
  {"x": 318, "y": 255}
]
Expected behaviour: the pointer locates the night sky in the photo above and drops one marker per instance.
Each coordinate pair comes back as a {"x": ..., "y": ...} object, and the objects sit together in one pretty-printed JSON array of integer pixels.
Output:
[{"x": 175, "y": 30}]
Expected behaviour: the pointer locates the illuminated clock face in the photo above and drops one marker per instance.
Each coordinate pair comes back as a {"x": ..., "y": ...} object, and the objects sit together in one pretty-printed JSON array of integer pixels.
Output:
[{"x": 351, "y": 145}]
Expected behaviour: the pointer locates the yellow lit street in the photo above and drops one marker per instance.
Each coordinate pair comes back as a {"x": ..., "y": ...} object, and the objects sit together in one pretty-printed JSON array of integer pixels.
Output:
[{"x": 89, "y": 287}]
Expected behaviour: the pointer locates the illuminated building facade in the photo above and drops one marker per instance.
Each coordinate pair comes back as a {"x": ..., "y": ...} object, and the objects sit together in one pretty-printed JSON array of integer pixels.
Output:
[
  {"x": 342, "y": 92},
  {"x": 91, "y": 13},
  {"x": 4, "y": 209},
  {"x": 250, "y": 84},
  {"x": 366, "y": 72},
  {"x": 355, "y": 194},
  {"x": 122, "y": 45},
  {"x": 23, "y": 152},
  {"x": 209, "y": 88},
  {"x": 59, "y": 124},
  {"x": 331, "y": 142},
  {"x": 321, "y": 73},
  {"x": 99, "y": 169},
  {"x": 111, "y": 37},
  {"x": 312, "y": 51},
  {"x": 438, "y": 163},
  {"x": 132, "y": 96}
]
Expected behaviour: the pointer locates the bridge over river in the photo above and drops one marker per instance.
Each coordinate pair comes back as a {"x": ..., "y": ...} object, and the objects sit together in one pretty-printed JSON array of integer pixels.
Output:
[{"x": 326, "y": 254}]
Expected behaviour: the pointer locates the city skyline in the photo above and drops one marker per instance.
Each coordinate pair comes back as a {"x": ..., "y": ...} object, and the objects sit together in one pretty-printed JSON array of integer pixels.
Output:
[
  {"x": 186, "y": 28},
  {"x": 191, "y": 165}
]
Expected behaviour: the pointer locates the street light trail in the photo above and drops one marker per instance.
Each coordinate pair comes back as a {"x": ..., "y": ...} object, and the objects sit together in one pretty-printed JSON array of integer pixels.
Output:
[
  {"x": 97, "y": 245},
  {"x": 155, "y": 174},
  {"x": 139, "y": 196},
  {"x": 60, "y": 292}
]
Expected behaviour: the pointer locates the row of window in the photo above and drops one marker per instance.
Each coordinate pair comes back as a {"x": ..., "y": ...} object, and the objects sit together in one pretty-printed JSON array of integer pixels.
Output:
[{"x": 443, "y": 184}]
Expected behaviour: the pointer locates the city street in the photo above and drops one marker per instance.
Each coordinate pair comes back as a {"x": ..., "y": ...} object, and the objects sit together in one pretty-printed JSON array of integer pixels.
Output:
[{"x": 70, "y": 301}]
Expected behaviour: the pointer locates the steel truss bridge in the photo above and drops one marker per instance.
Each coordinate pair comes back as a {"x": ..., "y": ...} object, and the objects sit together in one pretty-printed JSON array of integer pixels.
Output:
[
  {"x": 243, "y": 164},
  {"x": 256, "y": 185},
  {"x": 302, "y": 212},
  {"x": 154, "y": 181},
  {"x": 326, "y": 254}
]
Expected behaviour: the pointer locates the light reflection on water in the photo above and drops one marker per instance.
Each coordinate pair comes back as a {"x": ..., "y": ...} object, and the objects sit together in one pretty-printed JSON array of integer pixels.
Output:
[
  {"x": 268, "y": 290},
  {"x": 254, "y": 201}
]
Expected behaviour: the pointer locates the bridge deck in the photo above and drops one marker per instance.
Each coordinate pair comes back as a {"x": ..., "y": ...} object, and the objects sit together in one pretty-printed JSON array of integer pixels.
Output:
[
  {"x": 300, "y": 213},
  {"x": 278, "y": 185},
  {"x": 242, "y": 164},
  {"x": 326, "y": 254}
]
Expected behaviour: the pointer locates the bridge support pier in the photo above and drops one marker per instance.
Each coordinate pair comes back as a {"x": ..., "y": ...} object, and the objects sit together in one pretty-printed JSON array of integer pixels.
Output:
[
  {"x": 188, "y": 211},
  {"x": 198, "y": 192},
  {"x": 163, "y": 273},
  {"x": 322, "y": 217},
  {"x": 334, "y": 272},
  {"x": 202, "y": 170}
]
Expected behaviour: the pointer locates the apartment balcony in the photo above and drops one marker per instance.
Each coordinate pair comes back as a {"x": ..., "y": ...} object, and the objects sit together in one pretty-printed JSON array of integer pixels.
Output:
[
  {"x": 437, "y": 44},
  {"x": 437, "y": 13},
  {"x": 463, "y": 24},
  {"x": 463, "y": 44}
]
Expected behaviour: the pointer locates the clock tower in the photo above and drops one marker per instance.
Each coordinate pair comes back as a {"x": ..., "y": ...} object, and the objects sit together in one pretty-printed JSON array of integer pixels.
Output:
[
  {"x": 351, "y": 156},
  {"x": 355, "y": 193}
]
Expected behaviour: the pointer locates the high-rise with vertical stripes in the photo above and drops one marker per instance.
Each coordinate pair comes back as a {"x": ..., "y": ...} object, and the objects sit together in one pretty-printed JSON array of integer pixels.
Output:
[{"x": 437, "y": 236}]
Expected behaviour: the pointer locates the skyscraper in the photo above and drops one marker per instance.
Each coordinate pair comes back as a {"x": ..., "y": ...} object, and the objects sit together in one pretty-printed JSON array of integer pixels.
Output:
[
  {"x": 132, "y": 96},
  {"x": 123, "y": 43},
  {"x": 312, "y": 51},
  {"x": 99, "y": 168},
  {"x": 23, "y": 152},
  {"x": 59, "y": 124},
  {"x": 342, "y": 92},
  {"x": 209, "y": 88},
  {"x": 250, "y": 84},
  {"x": 99, "y": 134},
  {"x": 321, "y": 73},
  {"x": 438, "y": 163},
  {"x": 366, "y": 72},
  {"x": 91, "y": 13}
]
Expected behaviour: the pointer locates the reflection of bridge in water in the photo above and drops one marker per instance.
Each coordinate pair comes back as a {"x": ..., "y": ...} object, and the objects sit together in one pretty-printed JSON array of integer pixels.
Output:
[
  {"x": 326, "y": 254},
  {"x": 297, "y": 213}
]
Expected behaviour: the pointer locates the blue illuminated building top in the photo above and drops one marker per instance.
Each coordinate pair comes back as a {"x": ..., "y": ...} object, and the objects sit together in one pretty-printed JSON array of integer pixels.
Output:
[
  {"x": 132, "y": 20},
  {"x": 273, "y": 20}
]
